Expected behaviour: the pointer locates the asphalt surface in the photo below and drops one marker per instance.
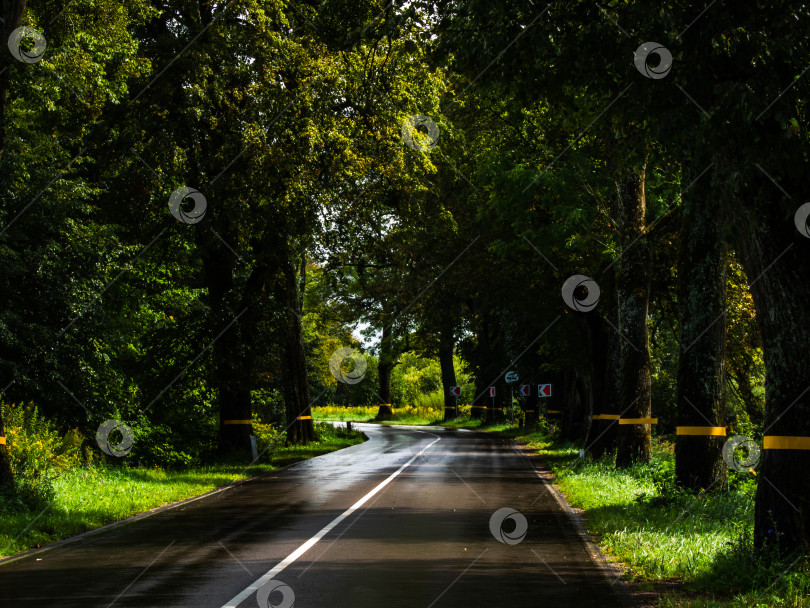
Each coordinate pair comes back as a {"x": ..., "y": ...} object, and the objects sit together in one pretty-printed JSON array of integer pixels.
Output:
[{"x": 422, "y": 539}]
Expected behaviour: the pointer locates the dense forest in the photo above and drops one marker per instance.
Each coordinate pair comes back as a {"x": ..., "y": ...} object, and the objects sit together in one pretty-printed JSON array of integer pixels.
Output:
[{"x": 214, "y": 213}]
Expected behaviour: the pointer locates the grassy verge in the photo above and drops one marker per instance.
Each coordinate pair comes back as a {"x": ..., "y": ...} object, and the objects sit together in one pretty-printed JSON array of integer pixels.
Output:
[
  {"x": 402, "y": 415},
  {"x": 410, "y": 415},
  {"x": 89, "y": 497},
  {"x": 694, "y": 549}
]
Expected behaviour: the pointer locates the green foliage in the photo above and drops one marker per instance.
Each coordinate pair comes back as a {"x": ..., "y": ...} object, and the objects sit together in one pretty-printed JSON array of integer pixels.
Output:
[
  {"x": 434, "y": 400},
  {"x": 413, "y": 378},
  {"x": 38, "y": 452},
  {"x": 330, "y": 433},
  {"x": 664, "y": 370},
  {"x": 667, "y": 490},
  {"x": 158, "y": 445},
  {"x": 268, "y": 406},
  {"x": 269, "y": 438}
]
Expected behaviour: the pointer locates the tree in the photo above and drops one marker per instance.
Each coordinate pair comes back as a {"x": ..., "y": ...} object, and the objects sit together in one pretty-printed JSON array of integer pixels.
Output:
[
  {"x": 10, "y": 18},
  {"x": 702, "y": 266},
  {"x": 634, "y": 295},
  {"x": 56, "y": 247}
]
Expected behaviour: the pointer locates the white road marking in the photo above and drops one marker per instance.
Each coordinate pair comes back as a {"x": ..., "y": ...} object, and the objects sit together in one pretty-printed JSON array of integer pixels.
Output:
[{"x": 278, "y": 568}]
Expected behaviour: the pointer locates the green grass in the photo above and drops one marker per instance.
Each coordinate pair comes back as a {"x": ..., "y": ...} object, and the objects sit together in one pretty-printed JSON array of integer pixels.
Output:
[
  {"x": 407, "y": 415},
  {"x": 90, "y": 497},
  {"x": 696, "y": 550},
  {"x": 360, "y": 413}
]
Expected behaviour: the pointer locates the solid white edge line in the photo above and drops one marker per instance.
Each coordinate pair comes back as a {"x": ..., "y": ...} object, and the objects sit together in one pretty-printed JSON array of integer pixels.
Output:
[
  {"x": 271, "y": 574},
  {"x": 591, "y": 547}
]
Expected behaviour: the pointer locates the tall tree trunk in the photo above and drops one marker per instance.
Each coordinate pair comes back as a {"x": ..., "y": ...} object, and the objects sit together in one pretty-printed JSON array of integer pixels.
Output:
[
  {"x": 531, "y": 404},
  {"x": 605, "y": 430},
  {"x": 634, "y": 440},
  {"x": 577, "y": 409},
  {"x": 702, "y": 262},
  {"x": 385, "y": 366},
  {"x": 554, "y": 406},
  {"x": 596, "y": 330},
  {"x": 446, "y": 339},
  {"x": 483, "y": 358},
  {"x": 599, "y": 336},
  {"x": 300, "y": 429},
  {"x": 230, "y": 379},
  {"x": 775, "y": 258}
]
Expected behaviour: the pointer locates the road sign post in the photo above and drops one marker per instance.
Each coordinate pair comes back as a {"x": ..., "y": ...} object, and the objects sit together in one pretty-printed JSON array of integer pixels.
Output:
[
  {"x": 511, "y": 377},
  {"x": 511, "y": 401},
  {"x": 492, "y": 394},
  {"x": 544, "y": 390},
  {"x": 525, "y": 390}
]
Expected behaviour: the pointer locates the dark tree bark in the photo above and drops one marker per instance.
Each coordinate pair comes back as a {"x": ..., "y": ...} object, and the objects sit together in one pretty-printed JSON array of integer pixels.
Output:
[
  {"x": 605, "y": 431},
  {"x": 531, "y": 404},
  {"x": 577, "y": 409},
  {"x": 384, "y": 368},
  {"x": 702, "y": 262},
  {"x": 634, "y": 440},
  {"x": 775, "y": 258},
  {"x": 230, "y": 376},
  {"x": 446, "y": 344},
  {"x": 554, "y": 406},
  {"x": 602, "y": 432},
  {"x": 596, "y": 330},
  {"x": 300, "y": 429},
  {"x": 485, "y": 356}
]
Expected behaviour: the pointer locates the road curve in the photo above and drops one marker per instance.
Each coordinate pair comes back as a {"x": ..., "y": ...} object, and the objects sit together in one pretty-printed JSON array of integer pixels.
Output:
[{"x": 404, "y": 519}]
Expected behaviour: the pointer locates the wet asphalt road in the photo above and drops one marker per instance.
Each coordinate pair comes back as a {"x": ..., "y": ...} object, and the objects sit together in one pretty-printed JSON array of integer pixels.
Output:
[{"x": 422, "y": 540}]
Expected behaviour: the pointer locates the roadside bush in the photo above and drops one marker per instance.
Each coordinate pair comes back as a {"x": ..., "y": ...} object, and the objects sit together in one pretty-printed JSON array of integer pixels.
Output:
[
  {"x": 661, "y": 472},
  {"x": 326, "y": 432},
  {"x": 156, "y": 445},
  {"x": 38, "y": 452},
  {"x": 433, "y": 400},
  {"x": 268, "y": 439},
  {"x": 269, "y": 405}
]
